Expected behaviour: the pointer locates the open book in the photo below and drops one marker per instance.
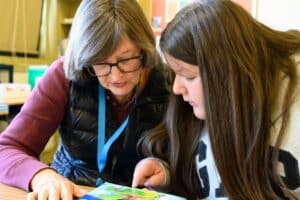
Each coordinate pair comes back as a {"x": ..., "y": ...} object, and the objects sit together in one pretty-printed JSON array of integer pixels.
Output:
[{"x": 109, "y": 191}]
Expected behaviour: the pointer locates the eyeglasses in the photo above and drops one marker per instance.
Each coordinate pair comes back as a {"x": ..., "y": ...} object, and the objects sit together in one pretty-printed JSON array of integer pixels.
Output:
[{"x": 126, "y": 65}]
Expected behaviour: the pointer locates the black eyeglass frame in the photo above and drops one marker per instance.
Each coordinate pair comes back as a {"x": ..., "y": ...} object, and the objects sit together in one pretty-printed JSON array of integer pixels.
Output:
[{"x": 91, "y": 70}]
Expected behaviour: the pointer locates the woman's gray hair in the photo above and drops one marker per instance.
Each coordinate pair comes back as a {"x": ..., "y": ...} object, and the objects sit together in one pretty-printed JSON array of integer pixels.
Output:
[{"x": 97, "y": 29}]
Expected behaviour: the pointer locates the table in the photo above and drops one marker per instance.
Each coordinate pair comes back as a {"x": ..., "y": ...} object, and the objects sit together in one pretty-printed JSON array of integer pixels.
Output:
[
  {"x": 8, "y": 193},
  {"x": 14, "y": 93},
  {"x": 12, "y": 193},
  {"x": 14, "y": 101},
  {"x": 14, "y": 105}
]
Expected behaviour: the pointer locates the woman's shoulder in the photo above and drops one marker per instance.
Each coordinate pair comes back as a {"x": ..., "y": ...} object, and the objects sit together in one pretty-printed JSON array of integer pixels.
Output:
[
  {"x": 57, "y": 66},
  {"x": 55, "y": 76},
  {"x": 56, "y": 70}
]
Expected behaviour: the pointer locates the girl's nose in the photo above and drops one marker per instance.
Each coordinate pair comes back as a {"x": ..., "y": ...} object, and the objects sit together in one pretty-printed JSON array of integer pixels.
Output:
[{"x": 178, "y": 86}]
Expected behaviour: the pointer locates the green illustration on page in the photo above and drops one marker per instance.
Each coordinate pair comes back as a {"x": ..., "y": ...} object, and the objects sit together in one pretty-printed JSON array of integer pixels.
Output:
[{"x": 109, "y": 191}]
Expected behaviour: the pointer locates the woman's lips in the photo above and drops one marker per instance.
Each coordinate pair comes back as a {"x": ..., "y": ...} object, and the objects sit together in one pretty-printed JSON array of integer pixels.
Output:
[{"x": 118, "y": 85}]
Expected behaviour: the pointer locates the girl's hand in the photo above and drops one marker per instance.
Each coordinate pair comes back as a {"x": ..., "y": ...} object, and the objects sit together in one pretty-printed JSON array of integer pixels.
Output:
[
  {"x": 47, "y": 184},
  {"x": 150, "y": 173}
]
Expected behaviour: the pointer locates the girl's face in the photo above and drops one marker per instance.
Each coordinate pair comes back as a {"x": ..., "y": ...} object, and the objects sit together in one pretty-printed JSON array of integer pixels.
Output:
[
  {"x": 188, "y": 84},
  {"x": 122, "y": 84}
]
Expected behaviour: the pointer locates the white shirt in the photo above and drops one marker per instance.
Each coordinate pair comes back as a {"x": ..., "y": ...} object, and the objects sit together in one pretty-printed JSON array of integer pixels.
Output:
[{"x": 207, "y": 172}]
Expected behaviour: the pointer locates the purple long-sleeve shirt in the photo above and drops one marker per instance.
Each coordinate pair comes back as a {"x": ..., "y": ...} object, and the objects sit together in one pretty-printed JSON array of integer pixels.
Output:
[{"x": 26, "y": 136}]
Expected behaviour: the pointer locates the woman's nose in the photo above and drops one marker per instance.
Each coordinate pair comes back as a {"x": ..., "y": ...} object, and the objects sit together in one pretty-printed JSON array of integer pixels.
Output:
[{"x": 115, "y": 72}]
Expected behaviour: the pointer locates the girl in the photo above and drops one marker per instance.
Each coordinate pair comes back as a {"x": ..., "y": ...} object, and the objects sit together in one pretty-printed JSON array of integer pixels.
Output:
[{"x": 235, "y": 111}]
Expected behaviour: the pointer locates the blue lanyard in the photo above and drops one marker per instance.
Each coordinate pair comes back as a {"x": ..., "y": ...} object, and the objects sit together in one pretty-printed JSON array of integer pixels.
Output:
[{"x": 103, "y": 148}]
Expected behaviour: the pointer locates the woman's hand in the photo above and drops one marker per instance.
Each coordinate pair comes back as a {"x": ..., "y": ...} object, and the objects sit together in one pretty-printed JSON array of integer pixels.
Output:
[
  {"x": 150, "y": 173},
  {"x": 47, "y": 184}
]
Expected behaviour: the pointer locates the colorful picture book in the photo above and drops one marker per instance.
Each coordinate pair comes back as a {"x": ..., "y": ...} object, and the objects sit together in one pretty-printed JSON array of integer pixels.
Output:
[{"x": 109, "y": 191}]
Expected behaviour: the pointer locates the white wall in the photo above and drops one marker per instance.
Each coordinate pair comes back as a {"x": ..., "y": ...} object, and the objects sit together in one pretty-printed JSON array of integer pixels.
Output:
[{"x": 279, "y": 14}]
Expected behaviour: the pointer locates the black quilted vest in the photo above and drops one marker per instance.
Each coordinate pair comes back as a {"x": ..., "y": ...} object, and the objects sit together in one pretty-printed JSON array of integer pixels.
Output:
[{"x": 76, "y": 156}]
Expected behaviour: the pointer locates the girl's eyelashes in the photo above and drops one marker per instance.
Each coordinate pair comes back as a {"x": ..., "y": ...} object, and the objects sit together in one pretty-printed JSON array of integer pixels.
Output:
[{"x": 190, "y": 78}]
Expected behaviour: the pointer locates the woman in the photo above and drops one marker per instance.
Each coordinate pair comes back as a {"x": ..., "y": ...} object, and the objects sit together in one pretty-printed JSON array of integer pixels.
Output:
[
  {"x": 102, "y": 96},
  {"x": 233, "y": 133}
]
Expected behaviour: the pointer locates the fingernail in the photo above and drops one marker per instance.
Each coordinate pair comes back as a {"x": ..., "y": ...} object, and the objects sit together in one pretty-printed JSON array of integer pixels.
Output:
[{"x": 147, "y": 184}]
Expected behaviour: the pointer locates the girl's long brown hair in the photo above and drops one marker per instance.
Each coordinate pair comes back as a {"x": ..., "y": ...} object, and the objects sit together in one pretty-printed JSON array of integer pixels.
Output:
[{"x": 241, "y": 63}]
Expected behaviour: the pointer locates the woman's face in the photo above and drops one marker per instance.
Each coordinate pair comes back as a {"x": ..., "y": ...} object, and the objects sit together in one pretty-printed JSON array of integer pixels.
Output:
[
  {"x": 188, "y": 84},
  {"x": 122, "y": 84}
]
